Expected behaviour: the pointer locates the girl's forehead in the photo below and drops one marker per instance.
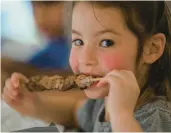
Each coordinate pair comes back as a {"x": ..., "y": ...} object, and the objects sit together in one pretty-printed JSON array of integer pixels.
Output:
[{"x": 86, "y": 16}]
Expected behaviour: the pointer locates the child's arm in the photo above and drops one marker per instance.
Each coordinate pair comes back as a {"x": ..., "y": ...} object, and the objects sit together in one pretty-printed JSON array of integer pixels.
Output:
[
  {"x": 50, "y": 106},
  {"x": 61, "y": 107}
]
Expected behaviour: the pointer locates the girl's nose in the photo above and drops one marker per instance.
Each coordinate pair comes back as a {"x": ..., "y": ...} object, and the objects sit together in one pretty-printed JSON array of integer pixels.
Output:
[{"x": 88, "y": 56}]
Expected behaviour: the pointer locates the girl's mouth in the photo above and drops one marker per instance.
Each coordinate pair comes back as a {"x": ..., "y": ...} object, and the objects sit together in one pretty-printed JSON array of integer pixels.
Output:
[
  {"x": 87, "y": 81},
  {"x": 93, "y": 85}
]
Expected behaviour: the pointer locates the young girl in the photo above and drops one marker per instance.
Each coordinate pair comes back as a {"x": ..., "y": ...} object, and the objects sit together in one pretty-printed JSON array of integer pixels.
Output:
[{"x": 128, "y": 44}]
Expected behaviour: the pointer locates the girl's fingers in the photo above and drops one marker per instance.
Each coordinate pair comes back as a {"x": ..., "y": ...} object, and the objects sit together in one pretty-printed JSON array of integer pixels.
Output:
[
  {"x": 102, "y": 82},
  {"x": 16, "y": 78},
  {"x": 6, "y": 97},
  {"x": 11, "y": 102},
  {"x": 10, "y": 89},
  {"x": 108, "y": 79},
  {"x": 117, "y": 73},
  {"x": 125, "y": 74}
]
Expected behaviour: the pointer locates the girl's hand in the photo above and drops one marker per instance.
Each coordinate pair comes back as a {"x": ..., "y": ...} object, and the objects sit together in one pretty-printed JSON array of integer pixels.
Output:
[
  {"x": 20, "y": 98},
  {"x": 123, "y": 92}
]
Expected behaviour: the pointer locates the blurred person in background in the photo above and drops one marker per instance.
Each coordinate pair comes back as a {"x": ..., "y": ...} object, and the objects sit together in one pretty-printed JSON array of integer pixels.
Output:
[
  {"x": 53, "y": 58},
  {"x": 49, "y": 17}
]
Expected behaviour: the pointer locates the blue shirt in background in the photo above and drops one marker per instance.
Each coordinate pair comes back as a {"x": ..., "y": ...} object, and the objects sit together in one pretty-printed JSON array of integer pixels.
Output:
[{"x": 54, "y": 56}]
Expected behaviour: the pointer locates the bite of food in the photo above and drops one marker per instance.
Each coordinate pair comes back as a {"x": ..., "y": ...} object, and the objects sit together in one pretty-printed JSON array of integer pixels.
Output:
[{"x": 56, "y": 82}]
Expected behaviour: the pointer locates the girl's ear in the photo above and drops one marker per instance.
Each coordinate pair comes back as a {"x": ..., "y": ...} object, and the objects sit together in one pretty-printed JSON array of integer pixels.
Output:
[{"x": 153, "y": 48}]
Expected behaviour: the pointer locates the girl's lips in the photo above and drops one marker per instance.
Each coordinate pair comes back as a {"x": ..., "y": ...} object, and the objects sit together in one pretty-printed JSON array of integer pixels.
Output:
[{"x": 92, "y": 85}]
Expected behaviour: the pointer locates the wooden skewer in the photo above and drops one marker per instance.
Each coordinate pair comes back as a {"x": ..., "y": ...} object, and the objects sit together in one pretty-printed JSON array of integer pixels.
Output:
[
  {"x": 96, "y": 79},
  {"x": 88, "y": 80}
]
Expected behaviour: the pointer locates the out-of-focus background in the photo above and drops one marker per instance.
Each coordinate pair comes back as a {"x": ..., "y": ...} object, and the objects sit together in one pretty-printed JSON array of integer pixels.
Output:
[
  {"x": 22, "y": 35},
  {"x": 34, "y": 40},
  {"x": 19, "y": 33}
]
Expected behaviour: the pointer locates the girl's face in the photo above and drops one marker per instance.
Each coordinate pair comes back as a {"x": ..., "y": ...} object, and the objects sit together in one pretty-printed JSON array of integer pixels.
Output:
[{"x": 101, "y": 42}]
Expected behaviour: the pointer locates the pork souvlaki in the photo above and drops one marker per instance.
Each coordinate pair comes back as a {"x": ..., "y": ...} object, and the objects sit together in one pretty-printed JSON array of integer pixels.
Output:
[{"x": 56, "y": 82}]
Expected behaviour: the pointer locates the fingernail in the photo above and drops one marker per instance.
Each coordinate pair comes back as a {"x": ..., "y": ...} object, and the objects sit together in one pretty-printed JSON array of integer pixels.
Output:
[
  {"x": 16, "y": 84},
  {"x": 100, "y": 84},
  {"x": 14, "y": 93}
]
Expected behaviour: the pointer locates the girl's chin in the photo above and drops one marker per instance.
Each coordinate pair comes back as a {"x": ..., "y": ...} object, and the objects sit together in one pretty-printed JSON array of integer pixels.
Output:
[{"x": 96, "y": 93}]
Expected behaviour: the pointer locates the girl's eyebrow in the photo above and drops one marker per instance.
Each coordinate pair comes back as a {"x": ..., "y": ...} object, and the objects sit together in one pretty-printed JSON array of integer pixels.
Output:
[
  {"x": 99, "y": 32},
  {"x": 76, "y": 32},
  {"x": 108, "y": 31}
]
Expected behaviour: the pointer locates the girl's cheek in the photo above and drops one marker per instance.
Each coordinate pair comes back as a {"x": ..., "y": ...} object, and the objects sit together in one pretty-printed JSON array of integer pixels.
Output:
[
  {"x": 114, "y": 61},
  {"x": 73, "y": 60}
]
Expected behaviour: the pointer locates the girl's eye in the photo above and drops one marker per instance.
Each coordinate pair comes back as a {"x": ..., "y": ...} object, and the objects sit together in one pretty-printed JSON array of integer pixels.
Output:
[
  {"x": 77, "y": 42},
  {"x": 106, "y": 43}
]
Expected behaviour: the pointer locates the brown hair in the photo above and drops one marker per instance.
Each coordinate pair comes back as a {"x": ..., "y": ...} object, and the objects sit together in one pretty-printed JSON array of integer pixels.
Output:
[{"x": 144, "y": 19}]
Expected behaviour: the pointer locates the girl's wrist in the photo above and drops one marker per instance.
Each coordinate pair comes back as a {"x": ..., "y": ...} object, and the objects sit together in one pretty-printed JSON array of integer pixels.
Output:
[
  {"x": 121, "y": 111},
  {"x": 121, "y": 115},
  {"x": 124, "y": 122}
]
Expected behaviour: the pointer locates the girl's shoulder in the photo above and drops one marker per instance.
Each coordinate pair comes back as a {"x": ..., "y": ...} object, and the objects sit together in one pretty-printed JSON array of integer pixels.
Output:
[
  {"x": 155, "y": 115},
  {"x": 158, "y": 103}
]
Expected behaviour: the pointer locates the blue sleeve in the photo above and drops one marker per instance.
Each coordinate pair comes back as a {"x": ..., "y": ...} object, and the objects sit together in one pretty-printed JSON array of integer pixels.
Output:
[{"x": 54, "y": 56}]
